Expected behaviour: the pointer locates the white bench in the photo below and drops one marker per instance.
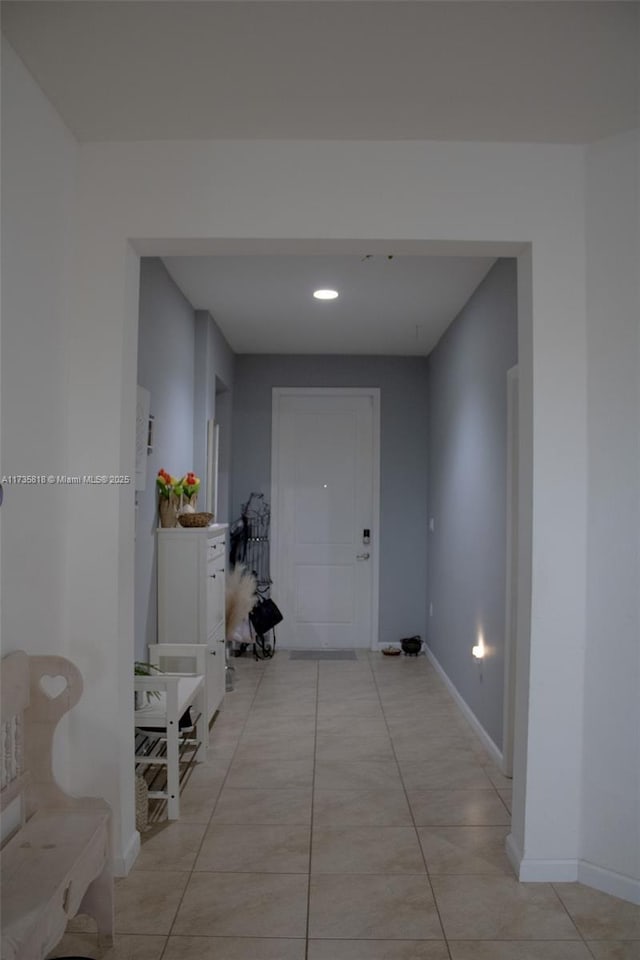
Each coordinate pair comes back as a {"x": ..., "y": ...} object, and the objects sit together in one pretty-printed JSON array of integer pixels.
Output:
[
  {"x": 166, "y": 698},
  {"x": 58, "y": 861}
]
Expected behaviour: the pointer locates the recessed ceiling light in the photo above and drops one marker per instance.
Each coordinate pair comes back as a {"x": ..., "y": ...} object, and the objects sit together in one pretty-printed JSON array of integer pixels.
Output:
[{"x": 325, "y": 294}]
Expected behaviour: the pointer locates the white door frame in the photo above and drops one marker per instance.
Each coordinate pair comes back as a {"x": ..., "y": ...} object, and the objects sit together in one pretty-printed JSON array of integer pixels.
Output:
[
  {"x": 374, "y": 548},
  {"x": 511, "y": 574}
]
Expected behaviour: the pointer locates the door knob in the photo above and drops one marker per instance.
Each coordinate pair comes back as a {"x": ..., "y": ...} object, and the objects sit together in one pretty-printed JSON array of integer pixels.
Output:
[{"x": 363, "y": 556}]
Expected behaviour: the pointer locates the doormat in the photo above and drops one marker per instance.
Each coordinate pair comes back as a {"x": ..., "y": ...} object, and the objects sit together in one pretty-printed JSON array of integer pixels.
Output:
[{"x": 322, "y": 655}]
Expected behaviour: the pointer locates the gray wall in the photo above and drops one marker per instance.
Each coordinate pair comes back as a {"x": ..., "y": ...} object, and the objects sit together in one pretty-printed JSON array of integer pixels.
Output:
[
  {"x": 213, "y": 396},
  {"x": 467, "y": 408},
  {"x": 180, "y": 356},
  {"x": 403, "y": 388},
  {"x": 223, "y": 365},
  {"x": 166, "y": 351}
]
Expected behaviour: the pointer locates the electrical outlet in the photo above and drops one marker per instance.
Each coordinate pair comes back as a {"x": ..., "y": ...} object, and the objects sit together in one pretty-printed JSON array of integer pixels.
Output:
[
  {"x": 432, "y": 525},
  {"x": 430, "y": 609}
]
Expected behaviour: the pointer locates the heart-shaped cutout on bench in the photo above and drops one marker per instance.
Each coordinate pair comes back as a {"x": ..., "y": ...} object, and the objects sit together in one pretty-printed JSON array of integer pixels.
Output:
[{"x": 53, "y": 687}]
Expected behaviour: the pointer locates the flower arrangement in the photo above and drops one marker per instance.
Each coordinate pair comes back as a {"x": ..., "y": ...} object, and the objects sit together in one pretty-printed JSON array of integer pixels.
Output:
[
  {"x": 170, "y": 497},
  {"x": 190, "y": 485},
  {"x": 167, "y": 485},
  {"x": 176, "y": 496}
]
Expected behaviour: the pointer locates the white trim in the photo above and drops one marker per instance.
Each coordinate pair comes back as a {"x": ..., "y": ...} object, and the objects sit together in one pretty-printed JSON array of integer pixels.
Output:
[
  {"x": 469, "y": 715},
  {"x": 514, "y": 853},
  {"x": 122, "y": 865},
  {"x": 608, "y": 881},
  {"x": 511, "y": 574},
  {"x": 548, "y": 871},
  {"x": 213, "y": 457},
  {"x": 570, "y": 871},
  {"x": 274, "y": 553}
]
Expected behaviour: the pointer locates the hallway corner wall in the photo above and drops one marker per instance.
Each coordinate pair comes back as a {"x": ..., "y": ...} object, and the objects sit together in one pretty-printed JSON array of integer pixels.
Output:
[
  {"x": 467, "y": 417},
  {"x": 166, "y": 361},
  {"x": 610, "y": 829}
]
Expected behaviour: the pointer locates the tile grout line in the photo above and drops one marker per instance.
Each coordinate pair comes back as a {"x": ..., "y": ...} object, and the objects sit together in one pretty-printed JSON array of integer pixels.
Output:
[
  {"x": 244, "y": 722},
  {"x": 566, "y": 910},
  {"x": 313, "y": 787},
  {"x": 224, "y": 780},
  {"x": 415, "y": 828}
]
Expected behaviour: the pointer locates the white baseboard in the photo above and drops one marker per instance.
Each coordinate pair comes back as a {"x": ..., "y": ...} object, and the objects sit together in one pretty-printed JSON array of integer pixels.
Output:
[
  {"x": 122, "y": 865},
  {"x": 469, "y": 715},
  {"x": 548, "y": 871},
  {"x": 570, "y": 871},
  {"x": 608, "y": 881},
  {"x": 539, "y": 871},
  {"x": 514, "y": 853}
]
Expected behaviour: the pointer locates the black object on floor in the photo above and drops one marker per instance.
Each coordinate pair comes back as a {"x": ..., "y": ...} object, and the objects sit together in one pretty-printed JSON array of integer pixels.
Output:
[
  {"x": 322, "y": 655},
  {"x": 411, "y": 646}
]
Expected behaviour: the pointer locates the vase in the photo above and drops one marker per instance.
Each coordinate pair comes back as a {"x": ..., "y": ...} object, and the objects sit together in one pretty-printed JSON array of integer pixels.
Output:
[
  {"x": 168, "y": 508},
  {"x": 191, "y": 501}
]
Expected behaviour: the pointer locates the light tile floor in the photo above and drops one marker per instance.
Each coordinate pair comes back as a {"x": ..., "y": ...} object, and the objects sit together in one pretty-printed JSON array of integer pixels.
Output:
[{"x": 346, "y": 811}]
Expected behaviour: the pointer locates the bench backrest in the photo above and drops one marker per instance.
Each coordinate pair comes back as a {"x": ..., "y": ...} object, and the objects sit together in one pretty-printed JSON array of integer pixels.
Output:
[
  {"x": 36, "y": 693},
  {"x": 14, "y": 702}
]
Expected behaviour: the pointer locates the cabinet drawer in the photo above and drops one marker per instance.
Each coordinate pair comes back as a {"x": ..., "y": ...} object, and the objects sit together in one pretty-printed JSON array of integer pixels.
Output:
[
  {"x": 216, "y": 630},
  {"x": 215, "y": 549}
]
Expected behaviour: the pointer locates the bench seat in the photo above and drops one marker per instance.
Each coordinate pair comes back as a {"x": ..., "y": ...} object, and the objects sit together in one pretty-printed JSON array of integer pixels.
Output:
[
  {"x": 57, "y": 863},
  {"x": 47, "y": 868}
]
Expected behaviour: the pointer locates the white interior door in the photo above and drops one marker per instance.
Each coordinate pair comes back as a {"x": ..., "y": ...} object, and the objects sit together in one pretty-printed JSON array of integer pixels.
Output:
[{"x": 324, "y": 500}]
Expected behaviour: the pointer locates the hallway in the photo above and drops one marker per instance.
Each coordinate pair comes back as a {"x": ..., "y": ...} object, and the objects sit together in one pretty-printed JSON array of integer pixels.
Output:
[{"x": 346, "y": 811}]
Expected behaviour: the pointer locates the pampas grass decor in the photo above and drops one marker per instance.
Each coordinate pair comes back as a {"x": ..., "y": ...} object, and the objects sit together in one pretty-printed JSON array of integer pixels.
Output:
[{"x": 240, "y": 598}]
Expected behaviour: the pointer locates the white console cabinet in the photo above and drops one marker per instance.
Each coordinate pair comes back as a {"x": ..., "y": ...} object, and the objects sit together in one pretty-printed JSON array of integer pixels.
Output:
[{"x": 191, "y": 597}]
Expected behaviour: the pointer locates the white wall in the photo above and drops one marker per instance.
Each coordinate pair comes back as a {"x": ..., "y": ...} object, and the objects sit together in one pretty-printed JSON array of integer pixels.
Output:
[
  {"x": 39, "y": 167},
  {"x": 39, "y": 158},
  {"x": 447, "y": 192},
  {"x": 508, "y": 195},
  {"x": 611, "y": 788}
]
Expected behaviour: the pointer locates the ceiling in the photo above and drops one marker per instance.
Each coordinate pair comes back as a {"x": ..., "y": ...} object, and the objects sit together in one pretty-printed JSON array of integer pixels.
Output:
[
  {"x": 340, "y": 69},
  {"x": 264, "y": 304},
  {"x": 533, "y": 71}
]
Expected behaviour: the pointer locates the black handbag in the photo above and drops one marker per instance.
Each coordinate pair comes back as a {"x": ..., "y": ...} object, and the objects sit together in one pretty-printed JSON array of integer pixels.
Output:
[{"x": 264, "y": 616}]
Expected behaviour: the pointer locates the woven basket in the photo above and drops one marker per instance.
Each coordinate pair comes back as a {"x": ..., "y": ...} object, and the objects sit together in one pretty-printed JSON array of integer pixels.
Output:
[
  {"x": 142, "y": 804},
  {"x": 195, "y": 519}
]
